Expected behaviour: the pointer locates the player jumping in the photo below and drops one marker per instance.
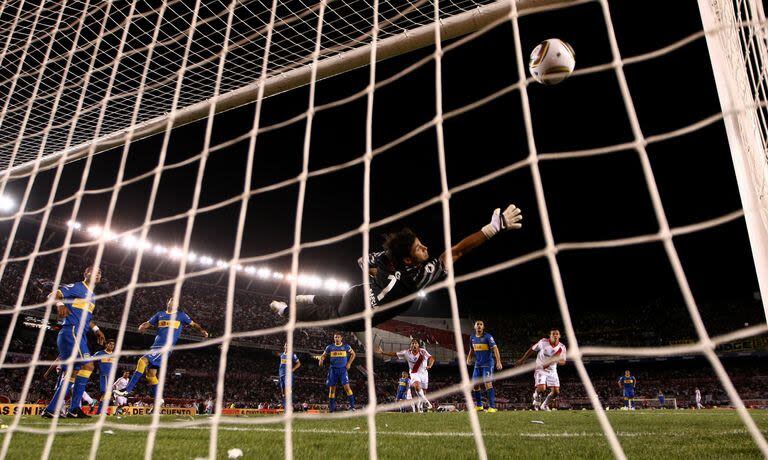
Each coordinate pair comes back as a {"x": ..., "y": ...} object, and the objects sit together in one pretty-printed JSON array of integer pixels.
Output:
[
  {"x": 282, "y": 371},
  {"x": 341, "y": 357},
  {"x": 75, "y": 305},
  {"x": 551, "y": 352},
  {"x": 419, "y": 370},
  {"x": 402, "y": 269},
  {"x": 627, "y": 383},
  {"x": 168, "y": 330},
  {"x": 487, "y": 357}
]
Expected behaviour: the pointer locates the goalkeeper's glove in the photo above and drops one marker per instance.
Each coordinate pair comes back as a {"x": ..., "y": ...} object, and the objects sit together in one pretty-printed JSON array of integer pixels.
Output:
[{"x": 501, "y": 221}]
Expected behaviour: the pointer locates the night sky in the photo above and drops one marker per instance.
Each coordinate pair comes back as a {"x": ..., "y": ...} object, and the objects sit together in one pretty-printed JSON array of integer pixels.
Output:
[{"x": 589, "y": 199}]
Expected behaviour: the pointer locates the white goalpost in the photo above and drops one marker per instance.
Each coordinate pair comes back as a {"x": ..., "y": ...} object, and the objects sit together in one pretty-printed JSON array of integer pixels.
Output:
[{"x": 76, "y": 84}]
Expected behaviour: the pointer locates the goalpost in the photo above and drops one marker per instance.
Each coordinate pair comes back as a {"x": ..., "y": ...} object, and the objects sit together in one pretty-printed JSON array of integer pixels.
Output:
[{"x": 77, "y": 85}]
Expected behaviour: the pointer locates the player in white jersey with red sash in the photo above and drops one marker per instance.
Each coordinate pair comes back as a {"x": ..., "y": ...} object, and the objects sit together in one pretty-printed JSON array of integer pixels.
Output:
[
  {"x": 419, "y": 362},
  {"x": 551, "y": 352}
]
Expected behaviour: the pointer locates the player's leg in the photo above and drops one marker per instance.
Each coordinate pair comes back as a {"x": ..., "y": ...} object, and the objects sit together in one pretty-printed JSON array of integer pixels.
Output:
[
  {"x": 64, "y": 343},
  {"x": 416, "y": 388},
  {"x": 282, "y": 389},
  {"x": 81, "y": 380},
  {"x": 476, "y": 392},
  {"x": 331, "y": 384},
  {"x": 152, "y": 381},
  {"x": 489, "y": 389},
  {"x": 540, "y": 386},
  {"x": 138, "y": 374},
  {"x": 553, "y": 382},
  {"x": 348, "y": 389},
  {"x": 318, "y": 308},
  {"x": 424, "y": 387}
]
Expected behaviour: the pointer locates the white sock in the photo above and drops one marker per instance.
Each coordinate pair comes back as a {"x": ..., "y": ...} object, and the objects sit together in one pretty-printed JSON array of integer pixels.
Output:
[
  {"x": 424, "y": 398},
  {"x": 87, "y": 398},
  {"x": 546, "y": 400}
]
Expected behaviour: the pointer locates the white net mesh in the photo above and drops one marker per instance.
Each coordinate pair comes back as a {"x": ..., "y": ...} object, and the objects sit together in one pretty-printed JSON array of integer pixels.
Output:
[{"x": 75, "y": 72}]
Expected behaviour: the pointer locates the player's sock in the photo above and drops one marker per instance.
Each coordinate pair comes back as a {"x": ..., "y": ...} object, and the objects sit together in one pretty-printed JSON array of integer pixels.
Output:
[
  {"x": 478, "y": 398},
  {"x": 492, "y": 397},
  {"x": 152, "y": 385},
  {"x": 87, "y": 398},
  {"x": 351, "y": 398},
  {"x": 62, "y": 386},
  {"x": 137, "y": 375},
  {"x": 332, "y": 405},
  {"x": 424, "y": 398},
  {"x": 77, "y": 393}
]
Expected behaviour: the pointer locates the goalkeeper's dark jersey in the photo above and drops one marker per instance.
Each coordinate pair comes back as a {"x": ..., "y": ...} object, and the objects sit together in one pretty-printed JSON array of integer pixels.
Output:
[{"x": 391, "y": 284}]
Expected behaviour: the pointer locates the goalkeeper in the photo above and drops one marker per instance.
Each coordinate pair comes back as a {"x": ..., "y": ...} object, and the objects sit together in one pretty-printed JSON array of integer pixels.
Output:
[{"x": 401, "y": 269}]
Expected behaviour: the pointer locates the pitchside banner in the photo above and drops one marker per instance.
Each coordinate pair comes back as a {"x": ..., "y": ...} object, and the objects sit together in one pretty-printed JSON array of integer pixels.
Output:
[{"x": 37, "y": 409}]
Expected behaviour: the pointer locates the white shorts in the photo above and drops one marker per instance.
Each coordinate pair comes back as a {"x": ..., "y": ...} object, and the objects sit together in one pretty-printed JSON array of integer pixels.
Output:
[
  {"x": 422, "y": 377},
  {"x": 121, "y": 400},
  {"x": 546, "y": 377}
]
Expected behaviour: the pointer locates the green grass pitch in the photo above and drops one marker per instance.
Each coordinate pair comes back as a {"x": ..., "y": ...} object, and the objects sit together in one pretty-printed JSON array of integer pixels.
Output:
[{"x": 563, "y": 434}]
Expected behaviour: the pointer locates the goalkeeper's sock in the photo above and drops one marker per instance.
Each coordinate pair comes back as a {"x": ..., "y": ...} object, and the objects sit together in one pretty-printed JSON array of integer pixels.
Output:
[
  {"x": 478, "y": 398},
  {"x": 134, "y": 380},
  {"x": 492, "y": 397},
  {"x": 77, "y": 392}
]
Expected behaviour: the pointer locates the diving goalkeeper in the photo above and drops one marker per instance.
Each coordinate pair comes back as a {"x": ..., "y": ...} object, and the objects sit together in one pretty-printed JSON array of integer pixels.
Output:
[{"x": 401, "y": 269}]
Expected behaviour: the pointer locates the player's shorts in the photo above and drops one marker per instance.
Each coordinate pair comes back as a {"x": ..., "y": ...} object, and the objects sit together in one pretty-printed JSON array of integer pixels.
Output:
[
  {"x": 337, "y": 376},
  {"x": 484, "y": 373},
  {"x": 401, "y": 393},
  {"x": 155, "y": 360},
  {"x": 629, "y": 393},
  {"x": 548, "y": 378},
  {"x": 65, "y": 341},
  {"x": 293, "y": 382},
  {"x": 422, "y": 377},
  {"x": 121, "y": 400}
]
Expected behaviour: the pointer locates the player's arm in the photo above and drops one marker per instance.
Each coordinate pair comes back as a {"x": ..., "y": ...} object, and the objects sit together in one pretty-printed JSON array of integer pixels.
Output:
[
  {"x": 296, "y": 365},
  {"x": 144, "y": 326},
  {"x": 381, "y": 352},
  {"x": 100, "y": 339},
  {"x": 352, "y": 356},
  {"x": 470, "y": 355},
  {"x": 497, "y": 356},
  {"x": 619, "y": 382},
  {"x": 500, "y": 221},
  {"x": 61, "y": 309},
  {"x": 525, "y": 357},
  {"x": 199, "y": 329},
  {"x": 430, "y": 362},
  {"x": 321, "y": 358}
]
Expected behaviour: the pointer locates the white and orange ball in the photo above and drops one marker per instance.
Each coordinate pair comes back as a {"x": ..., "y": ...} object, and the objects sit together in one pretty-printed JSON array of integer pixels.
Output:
[{"x": 552, "y": 61}]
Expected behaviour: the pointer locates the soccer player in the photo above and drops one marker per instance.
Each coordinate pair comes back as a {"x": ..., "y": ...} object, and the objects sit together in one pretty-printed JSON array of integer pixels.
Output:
[
  {"x": 402, "y": 390},
  {"x": 661, "y": 399},
  {"x": 282, "y": 371},
  {"x": 402, "y": 269},
  {"x": 487, "y": 357},
  {"x": 698, "y": 399},
  {"x": 551, "y": 352},
  {"x": 106, "y": 361},
  {"x": 419, "y": 370},
  {"x": 341, "y": 357},
  {"x": 627, "y": 383},
  {"x": 75, "y": 305},
  {"x": 120, "y": 384},
  {"x": 168, "y": 330}
]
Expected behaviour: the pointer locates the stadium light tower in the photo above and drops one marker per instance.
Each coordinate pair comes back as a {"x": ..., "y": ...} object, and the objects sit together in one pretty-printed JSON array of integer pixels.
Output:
[{"x": 7, "y": 204}]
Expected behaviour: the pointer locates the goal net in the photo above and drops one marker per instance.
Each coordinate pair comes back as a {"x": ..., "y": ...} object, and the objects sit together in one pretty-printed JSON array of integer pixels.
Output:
[{"x": 134, "y": 133}]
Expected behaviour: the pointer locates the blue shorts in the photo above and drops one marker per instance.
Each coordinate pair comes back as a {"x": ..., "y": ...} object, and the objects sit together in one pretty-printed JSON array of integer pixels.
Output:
[
  {"x": 485, "y": 373},
  {"x": 402, "y": 393},
  {"x": 155, "y": 360},
  {"x": 65, "y": 341},
  {"x": 293, "y": 383},
  {"x": 337, "y": 376},
  {"x": 629, "y": 393}
]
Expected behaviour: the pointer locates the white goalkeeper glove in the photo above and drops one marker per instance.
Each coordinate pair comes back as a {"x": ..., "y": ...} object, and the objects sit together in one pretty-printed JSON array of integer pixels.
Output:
[{"x": 501, "y": 221}]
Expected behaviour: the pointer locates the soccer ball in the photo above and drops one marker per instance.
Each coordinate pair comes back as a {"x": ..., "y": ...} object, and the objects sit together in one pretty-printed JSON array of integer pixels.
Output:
[{"x": 552, "y": 61}]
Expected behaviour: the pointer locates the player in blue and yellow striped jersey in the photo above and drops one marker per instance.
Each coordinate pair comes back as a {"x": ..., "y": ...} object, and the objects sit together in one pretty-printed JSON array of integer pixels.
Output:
[
  {"x": 105, "y": 361},
  {"x": 341, "y": 356},
  {"x": 169, "y": 324},
  {"x": 627, "y": 383},
  {"x": 75, "y": 305},
  {"x": 282, "y": 371},
  {"x": 487, "y": 358}
]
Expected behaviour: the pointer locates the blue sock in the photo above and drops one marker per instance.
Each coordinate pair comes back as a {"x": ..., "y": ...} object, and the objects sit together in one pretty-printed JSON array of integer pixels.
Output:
[
  {"x": 151, "y": 390},
  {"x": 351, "y": 401},
  {"x": 492, "y": 397},
  {"x": 51, "y": 409},
  {"x": 134, "y": 380},
  {"x": 78, "y": 390},
  {"x": 332, "y": 405},
  {"x": 478, "y": 398}
]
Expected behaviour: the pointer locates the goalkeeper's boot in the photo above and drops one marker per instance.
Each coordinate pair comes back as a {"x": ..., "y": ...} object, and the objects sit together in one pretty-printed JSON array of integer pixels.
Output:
[
  {"x": 278, "y": 307},
  {"x": 491, "y": 410}
]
